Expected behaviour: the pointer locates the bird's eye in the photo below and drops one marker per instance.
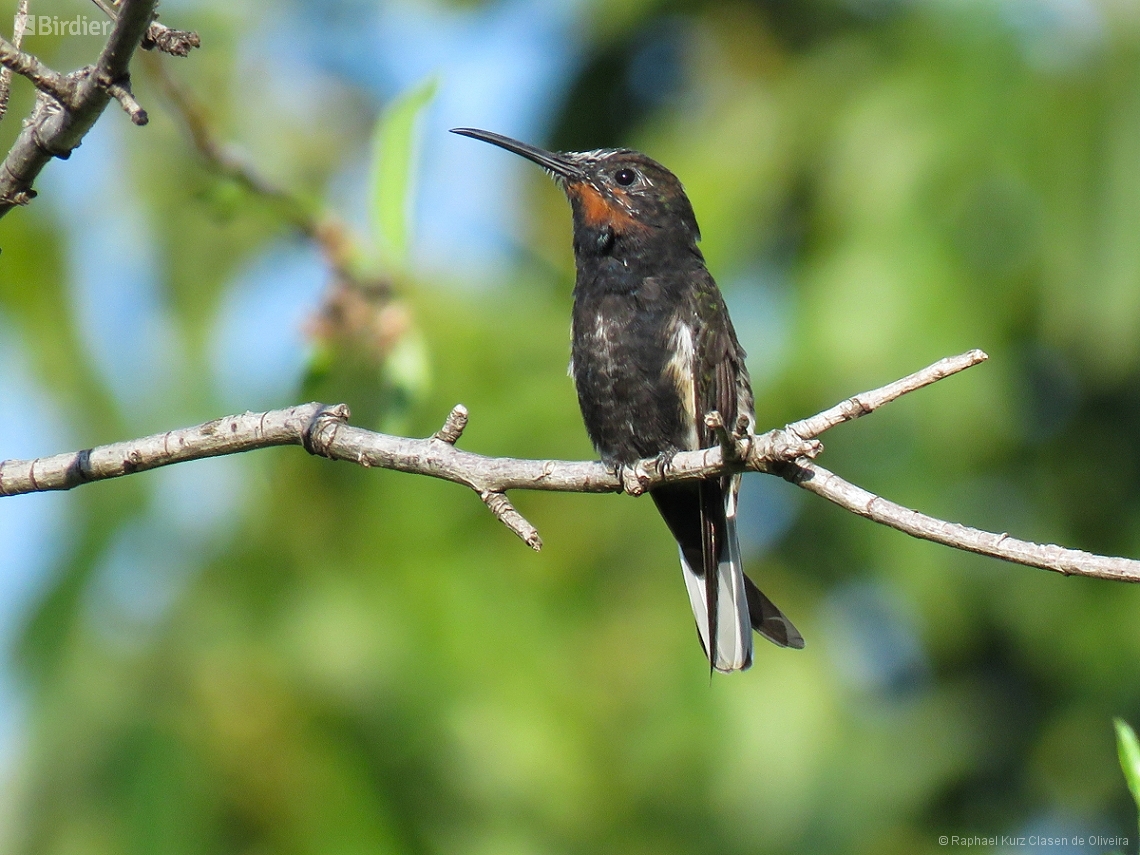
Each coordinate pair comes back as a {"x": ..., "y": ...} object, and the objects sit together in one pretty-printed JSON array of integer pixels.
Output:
[{"x": 625, "y": 177}]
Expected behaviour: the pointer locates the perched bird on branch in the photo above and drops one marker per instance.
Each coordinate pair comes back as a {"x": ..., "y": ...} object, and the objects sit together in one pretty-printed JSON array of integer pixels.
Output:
[{"x": 653, "y": 355}]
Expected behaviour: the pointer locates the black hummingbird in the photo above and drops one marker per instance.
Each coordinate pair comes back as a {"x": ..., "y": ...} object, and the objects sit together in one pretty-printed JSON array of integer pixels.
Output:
[{"x": 653, "y": 352}]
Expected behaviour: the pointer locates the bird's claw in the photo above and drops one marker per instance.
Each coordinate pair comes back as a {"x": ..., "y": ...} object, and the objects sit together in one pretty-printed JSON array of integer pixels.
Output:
[
  {"x": 663, "y": 462},
  {"x": 636, "y": 478},
  {"x": 633, "y": 481},
  {"x": 742, "y": 439},
  {"x": 735, "y": 445}
]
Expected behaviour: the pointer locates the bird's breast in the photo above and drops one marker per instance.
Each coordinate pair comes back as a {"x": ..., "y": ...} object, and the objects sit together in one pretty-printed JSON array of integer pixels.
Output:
[{"x": 632, "y": 366}]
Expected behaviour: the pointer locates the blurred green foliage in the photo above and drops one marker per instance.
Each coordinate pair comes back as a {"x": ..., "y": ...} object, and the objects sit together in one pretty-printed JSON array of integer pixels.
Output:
[
  {"x": 1128, "y": 746},
  {"x": 393, "y": 171},
  {"x": 361, "y": 661}
]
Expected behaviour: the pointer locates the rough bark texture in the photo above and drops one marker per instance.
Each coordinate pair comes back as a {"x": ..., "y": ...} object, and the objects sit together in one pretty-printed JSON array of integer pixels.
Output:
[{"x": 324, "y": 430}]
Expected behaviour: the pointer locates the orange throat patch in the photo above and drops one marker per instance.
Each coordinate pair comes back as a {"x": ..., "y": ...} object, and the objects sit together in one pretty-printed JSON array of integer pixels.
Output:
[{"x": 597, "y": 210}]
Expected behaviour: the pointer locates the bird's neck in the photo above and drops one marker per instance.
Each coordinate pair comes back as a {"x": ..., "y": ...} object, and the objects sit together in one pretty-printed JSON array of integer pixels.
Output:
[
  {"x": 633, "y": 246},
  {"x": 618, "y": 262}
]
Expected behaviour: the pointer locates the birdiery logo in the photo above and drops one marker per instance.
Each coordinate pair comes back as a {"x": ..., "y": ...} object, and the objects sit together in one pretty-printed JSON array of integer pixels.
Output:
[{"x": 53, "y": 25}]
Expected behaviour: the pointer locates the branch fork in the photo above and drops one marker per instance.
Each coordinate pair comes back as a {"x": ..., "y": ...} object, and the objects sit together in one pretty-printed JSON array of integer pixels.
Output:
[{"x": 495, "y": 500}]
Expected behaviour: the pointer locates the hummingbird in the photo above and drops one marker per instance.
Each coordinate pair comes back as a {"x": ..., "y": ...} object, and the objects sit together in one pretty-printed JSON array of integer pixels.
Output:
[{"x": 653, "y": 352}]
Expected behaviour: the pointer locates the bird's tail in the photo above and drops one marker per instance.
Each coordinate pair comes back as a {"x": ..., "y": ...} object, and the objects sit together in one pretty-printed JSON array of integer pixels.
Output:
[{"x": 726, "y": 604}]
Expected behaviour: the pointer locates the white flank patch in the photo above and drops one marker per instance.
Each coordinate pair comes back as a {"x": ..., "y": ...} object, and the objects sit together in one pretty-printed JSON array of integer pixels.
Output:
[{"x": 680, "y": 370}]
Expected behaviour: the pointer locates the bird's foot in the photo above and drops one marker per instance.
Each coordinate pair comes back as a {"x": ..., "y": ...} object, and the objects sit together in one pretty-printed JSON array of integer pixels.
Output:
[
  {"x": 742, "y": 437},
  {"x": 735, "y": 445},
  {"x": 636, "y": 478},
  {"x": 663, "y": 462},
  {"x": 632, "y": 479}
]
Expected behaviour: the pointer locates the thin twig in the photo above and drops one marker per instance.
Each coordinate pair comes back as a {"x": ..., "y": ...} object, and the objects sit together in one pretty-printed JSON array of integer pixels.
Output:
[
  {"x": 169, "y": 40},
  {"x": 121, "y": 92},
  {"x": 868, "y": 402},
  {"x": 224, "y": 159},
  {"x": 323, "y": 430},
  {"x": 1070, "y": 562},
  {"x": 58, "y": 86},
  {"x": 166, "y": 39},
  {"x": 454, "y": 426},
  {"x": 331, "y": 234},
  {"x": 505, "y": 512}
]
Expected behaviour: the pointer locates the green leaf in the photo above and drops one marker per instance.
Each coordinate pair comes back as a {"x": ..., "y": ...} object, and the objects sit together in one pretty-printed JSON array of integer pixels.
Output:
[
  {"x": 1129, "y": 748},
  {"x": 393, "y": 163}
]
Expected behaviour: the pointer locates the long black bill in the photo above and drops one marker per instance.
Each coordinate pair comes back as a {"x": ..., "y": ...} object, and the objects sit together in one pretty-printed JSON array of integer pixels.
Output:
[{"x": 558, "y": 164}]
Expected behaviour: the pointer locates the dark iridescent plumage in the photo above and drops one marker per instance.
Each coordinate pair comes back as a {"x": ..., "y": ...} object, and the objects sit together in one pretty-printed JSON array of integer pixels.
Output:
[{"x": 653, "y": 352}]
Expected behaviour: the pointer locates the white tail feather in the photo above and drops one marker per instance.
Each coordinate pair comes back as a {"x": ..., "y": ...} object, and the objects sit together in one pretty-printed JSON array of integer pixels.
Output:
[{"x": 733, "y": 648}]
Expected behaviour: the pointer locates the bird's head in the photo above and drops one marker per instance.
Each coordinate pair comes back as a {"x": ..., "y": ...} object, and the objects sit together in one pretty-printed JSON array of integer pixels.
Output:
[{"x": 613, "y": 190}]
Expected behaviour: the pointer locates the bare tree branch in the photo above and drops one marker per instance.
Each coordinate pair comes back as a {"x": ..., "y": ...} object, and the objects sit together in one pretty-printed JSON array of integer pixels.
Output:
[
  {"x": 121, "y": 92},
  {"x": 1070, "y": 562},
  {"x": 323, "y": 430},
  {"x": 65, "y": 113},
  {"x": 868, "y": 402},
  {"x": 228, "y": 435}
]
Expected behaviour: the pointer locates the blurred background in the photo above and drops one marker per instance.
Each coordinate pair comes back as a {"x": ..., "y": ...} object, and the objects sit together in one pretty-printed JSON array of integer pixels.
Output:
[{"x": 275, "y": 653}]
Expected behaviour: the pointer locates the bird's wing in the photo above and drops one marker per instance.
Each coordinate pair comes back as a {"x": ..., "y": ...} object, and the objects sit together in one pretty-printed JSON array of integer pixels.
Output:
[
  {"x": 721, "y": 373},
  {"x": 718, "y": 590},
  {"x": 723, "y": 385}
]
